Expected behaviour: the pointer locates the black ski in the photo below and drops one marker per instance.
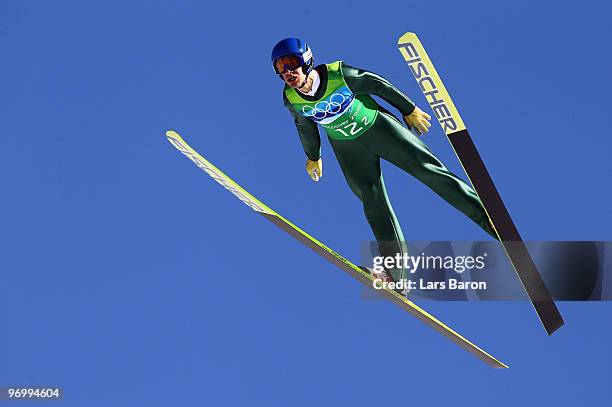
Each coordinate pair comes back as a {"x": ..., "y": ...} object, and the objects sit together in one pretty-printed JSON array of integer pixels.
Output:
[{"x": 445, "y": 111}]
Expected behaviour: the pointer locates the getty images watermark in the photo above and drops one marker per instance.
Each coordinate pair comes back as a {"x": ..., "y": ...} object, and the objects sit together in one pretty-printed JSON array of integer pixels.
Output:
[{"x": 412, "y": 264}]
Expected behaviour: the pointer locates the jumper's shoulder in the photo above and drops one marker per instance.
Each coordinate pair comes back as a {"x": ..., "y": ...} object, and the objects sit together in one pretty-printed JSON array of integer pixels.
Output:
[
  {"x": 352, "y": 73},
  {"x": 286, "y": 101},
  {"x": 320, "y": 67}
]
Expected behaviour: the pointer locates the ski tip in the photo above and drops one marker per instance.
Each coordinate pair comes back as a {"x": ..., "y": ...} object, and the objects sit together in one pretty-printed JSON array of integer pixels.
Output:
[
  {"x": 407, "y": 37},
  {"x": 171, "y": 133}
]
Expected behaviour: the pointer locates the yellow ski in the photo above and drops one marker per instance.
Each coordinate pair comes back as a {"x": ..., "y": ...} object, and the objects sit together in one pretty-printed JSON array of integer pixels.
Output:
[{"x": 337, "y": 259}]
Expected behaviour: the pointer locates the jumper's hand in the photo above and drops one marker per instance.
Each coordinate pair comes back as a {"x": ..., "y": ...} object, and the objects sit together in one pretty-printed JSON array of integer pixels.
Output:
[
  {"x": 314, "y": 169},
  {"x": 419, "y": 120}
]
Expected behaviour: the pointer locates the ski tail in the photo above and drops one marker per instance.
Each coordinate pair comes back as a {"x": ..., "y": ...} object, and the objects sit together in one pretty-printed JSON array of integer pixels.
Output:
[
  {"x": 360, "y": 274},
  {"x": 453, "y": 126}
]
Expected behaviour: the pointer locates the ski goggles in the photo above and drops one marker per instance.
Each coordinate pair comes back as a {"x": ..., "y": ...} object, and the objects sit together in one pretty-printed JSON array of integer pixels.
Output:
[{"x": 287, "y": 63}]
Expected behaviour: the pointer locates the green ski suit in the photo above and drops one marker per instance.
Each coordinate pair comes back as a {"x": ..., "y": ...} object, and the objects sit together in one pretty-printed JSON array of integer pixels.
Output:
[{"x": 385, "y": 138}]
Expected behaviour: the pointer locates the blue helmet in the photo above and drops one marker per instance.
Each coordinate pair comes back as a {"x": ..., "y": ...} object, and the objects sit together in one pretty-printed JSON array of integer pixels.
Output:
[{"x": 293, "y": 47}]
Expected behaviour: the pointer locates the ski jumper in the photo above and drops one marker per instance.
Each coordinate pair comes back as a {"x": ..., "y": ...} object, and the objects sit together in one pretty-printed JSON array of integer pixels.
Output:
[{"x": 361, "y": 132}]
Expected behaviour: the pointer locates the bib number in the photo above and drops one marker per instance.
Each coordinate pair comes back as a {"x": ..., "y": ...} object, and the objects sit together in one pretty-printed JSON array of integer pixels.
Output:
[{"x": 352, "y": 127}]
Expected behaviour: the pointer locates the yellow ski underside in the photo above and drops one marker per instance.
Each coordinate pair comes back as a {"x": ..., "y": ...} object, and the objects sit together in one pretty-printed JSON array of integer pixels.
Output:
[{"x": 177, "y": 141}]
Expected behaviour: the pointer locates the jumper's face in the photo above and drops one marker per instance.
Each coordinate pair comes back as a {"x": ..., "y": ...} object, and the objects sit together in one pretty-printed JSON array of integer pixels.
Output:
[
  {"x": 290, "y": 69},
  {"x": 294, "y": 78}
]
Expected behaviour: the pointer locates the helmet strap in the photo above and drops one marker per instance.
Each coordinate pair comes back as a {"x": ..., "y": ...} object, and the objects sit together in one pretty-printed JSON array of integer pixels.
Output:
[{"x": 305, "y": 80}]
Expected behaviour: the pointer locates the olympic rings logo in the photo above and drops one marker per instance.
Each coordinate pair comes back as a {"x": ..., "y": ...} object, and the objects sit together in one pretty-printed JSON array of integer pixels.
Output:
[{"x": 324, "y": 108}]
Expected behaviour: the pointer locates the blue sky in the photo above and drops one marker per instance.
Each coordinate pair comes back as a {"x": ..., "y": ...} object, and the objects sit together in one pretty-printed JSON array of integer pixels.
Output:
[{"x": 130, "y": 277}]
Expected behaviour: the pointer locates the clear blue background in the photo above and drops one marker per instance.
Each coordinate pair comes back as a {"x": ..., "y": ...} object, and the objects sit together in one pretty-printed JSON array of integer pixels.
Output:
[{"x": 130, "y": 278}]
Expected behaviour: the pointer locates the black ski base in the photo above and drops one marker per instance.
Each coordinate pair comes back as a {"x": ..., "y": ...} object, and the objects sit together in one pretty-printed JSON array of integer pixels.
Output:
[{"x": 506, "y": 230}]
